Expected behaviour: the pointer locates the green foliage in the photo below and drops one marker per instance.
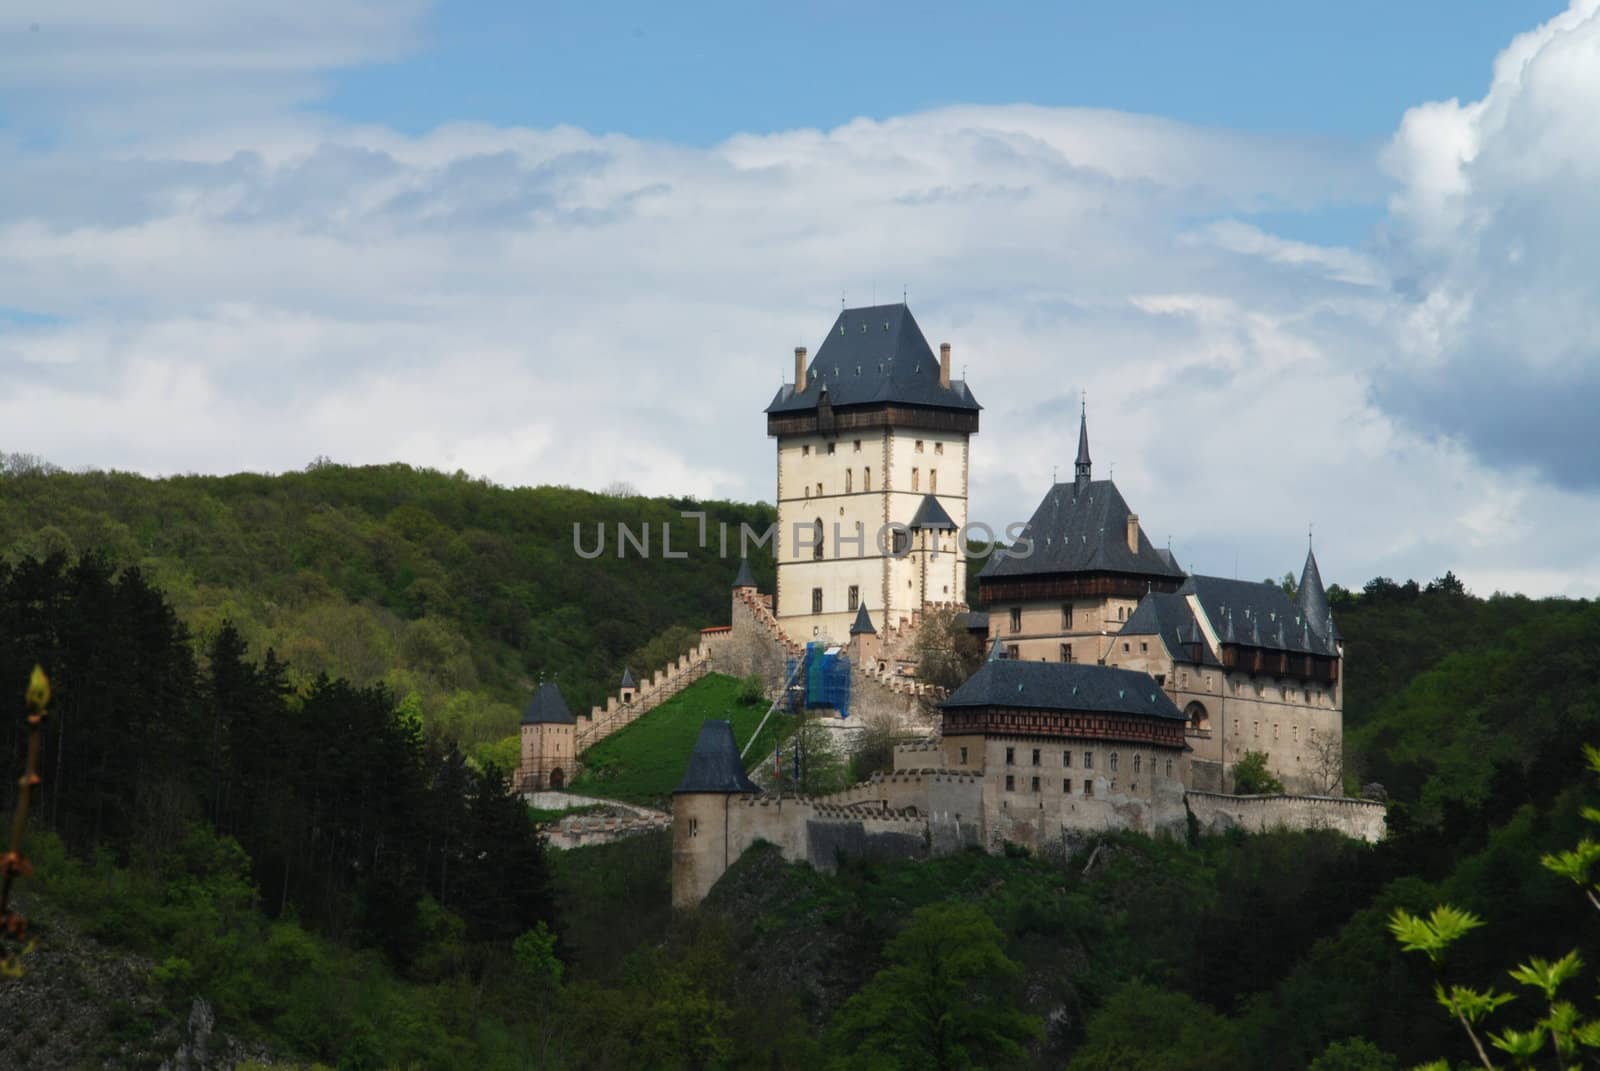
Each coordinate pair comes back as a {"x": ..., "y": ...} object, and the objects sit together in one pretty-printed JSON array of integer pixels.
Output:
[
  {"x": 1143, "y": 1028},
  {"x": 946, "y": 999},
  {"x": 822, "y": 768},
  {"x": 535, "y": 955},
  {"x": 946, "y": 652},
  {"x": 644, "y": 761},
  {"x": 1252, "y": 778},
  {"x": 1433, "y": 935},
  {"x": 1354, "y": 1054}
]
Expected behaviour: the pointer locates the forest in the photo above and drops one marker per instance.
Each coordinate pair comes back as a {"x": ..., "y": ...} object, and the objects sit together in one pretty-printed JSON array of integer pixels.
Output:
[{"x": 313, "y": 848}]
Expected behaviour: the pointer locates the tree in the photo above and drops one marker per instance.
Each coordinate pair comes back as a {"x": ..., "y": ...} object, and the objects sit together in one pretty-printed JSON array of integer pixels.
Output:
[
  {"x": 947, "y": 652},
  {"x": 1252, "y": 778},
  {"x": 947, "y": 999},
  {"x": 1355, "y": 1054},
  {"x": 1327, "y": 764},
  {"x": 1142, "y": 1028}
]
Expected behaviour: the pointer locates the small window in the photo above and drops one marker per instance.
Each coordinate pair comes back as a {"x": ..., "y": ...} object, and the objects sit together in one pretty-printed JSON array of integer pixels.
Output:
[
  {"x": 1035, "y": 785},
  {"x": 819, "y": 488},
  {"x": 1144, "y": 648},
  {"x": 1088, "y": 786},
  {"x": 916, "y": 480},
  {"x": 830, "y": 449},
  {"x": 1036, "y": 756},
  {"x": 938, "y": 448},
  {"x": 963, "y": 759},
  {"x": 854, "y": 598},
  {"x": 805, "y": 451},
  {"x": 816, "y": 600},
  {"x": 1122, "y": 613},
  {"x": 1066, "y": 616},
  {"x": 816, "y": 534},
  {"x": 1013, "y": 652},
  {"x": 849, "y": 481},
  {"x": 1294, "y": 733},
  {"x": 1066, "y": 652},
  {"x": 1011, "y": 783},
  {"x": 858, "y": 446},
  {"x": 919, "y": 446},
  {"x": 1274, "y": 730},
  {"x": 1011, "y": 756},
  {"x": 1125, "y": 648},
  {"x": 1169, "y": 767},
  {"x": 933, "y": 481},
  {"x": 1016, "y": 619},
  {"x": 1138, "y": 761},
  {"x": 694, "y": 827},
  {"x": 1088, "y": 760},
  {"x": 1113, "y": 762},
  {"x": 1066, "y": 760},
  {"x": 1255, "y": 728},
  {"x": 866, "y": 479},
  {"x": 1066, "y": 784}
]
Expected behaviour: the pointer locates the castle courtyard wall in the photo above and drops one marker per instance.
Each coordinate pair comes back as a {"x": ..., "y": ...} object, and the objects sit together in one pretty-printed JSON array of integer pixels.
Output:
[{"x": 1360, "y": 819}]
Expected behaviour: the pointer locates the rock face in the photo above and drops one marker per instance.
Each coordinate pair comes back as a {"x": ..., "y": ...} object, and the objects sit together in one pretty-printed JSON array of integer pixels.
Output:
[{"x": 83, "y": 1004}]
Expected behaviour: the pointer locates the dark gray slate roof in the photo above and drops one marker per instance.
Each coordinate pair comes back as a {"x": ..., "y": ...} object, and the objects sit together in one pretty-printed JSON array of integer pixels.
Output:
[
  {"x": 863, "y": 622},
  {"x": 1313, "y": 599},
  {"x": 1065, "y": 686},
  {"x": 875, "y": 355},
  {"x": 547, "y": 706},
  {"x": 1261, "y": 612},
  {"x": 1169, "y": 618},
  {"x": 930, "y": 514},
  {"x": 1082, "y": 530},
  {"x": 745, "y": 579},
  {"x": 973, "y": 620},
  {"x": 627, "y": 678},
  {"x": 714, "y": 764}
]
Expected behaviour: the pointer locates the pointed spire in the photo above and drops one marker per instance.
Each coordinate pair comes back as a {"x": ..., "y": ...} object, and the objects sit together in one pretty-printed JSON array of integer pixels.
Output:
[
  {"x": 1313, "y": 599},
  {"x": 863, "y": 622},
  {"x": 745, "y": 579},
  {"x": 997, "y": 651},
  {"x": 1081, "y": 467},
  {"x": 627, "y": 678}
]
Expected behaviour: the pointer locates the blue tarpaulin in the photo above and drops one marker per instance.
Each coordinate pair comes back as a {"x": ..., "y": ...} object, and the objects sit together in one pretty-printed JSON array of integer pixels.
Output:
[{"x": 823, "y": 680}]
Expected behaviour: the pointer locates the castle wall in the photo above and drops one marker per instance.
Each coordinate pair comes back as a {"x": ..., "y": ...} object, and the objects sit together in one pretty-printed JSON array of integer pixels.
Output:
[{"x": 1363, "y": 819}]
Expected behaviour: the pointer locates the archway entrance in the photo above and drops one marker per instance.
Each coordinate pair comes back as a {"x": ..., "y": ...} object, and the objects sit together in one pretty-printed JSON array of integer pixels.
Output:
[{"x": 557, "y": 779}]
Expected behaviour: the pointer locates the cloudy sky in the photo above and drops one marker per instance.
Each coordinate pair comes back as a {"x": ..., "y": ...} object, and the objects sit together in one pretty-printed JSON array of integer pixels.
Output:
[{"x": 1337, "y": 267}]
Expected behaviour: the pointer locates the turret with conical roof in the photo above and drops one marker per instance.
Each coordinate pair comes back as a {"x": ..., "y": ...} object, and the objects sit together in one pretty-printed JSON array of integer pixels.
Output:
[
  {"x": 1313, "y": 600},
  {"x": 705, "y": 839},
  {"x": 863, "y": 623},
  {"x": 745, "y": 579},
  {"x": 549, "y": 741}
]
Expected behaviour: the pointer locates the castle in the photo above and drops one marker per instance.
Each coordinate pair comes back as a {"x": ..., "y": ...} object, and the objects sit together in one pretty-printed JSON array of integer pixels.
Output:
[{"x": 1119, "y": 693}]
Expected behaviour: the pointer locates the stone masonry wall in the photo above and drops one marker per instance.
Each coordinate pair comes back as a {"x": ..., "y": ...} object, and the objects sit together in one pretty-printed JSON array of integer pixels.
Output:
[{"x": 1363, "y": 819}]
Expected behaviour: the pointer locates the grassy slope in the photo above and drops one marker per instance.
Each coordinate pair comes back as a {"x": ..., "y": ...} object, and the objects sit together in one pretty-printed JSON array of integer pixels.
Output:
[{"x": 644, "y": 762}]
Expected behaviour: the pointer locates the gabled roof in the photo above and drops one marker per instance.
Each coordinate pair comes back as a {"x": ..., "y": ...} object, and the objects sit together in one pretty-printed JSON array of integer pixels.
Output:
[
  {"x": 1063, "y": 686},
  {"x": 863, "y": 622},
  {"x": 930, "y": 514},
  {"x": 627, "y": 678},
  {"x": 1260, "y": 610},
  {"x": 714, "y": 765},
  {"x": 873, "y": 355},
  {"x": 547, "y": 706},
  {"x": 1169, "y": 618},
  {"x": 1082, "y": 530},
  {"x": 745, "y": 579}
]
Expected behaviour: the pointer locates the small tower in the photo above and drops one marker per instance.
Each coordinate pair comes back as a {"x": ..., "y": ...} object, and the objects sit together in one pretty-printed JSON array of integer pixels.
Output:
[
  {"x": 1081, "y": 467},
  {"x": 703, "y": 843},
  {"x": 628, "y": 688},
  {"x": 863, "y": 637},
  {"x": 549, "y": 741},
  {"x": 936, "y": 562}
]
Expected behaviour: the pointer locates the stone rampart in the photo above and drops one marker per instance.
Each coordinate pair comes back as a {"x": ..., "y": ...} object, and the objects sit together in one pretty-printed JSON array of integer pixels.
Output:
[{"x": 1361, "y": 819}]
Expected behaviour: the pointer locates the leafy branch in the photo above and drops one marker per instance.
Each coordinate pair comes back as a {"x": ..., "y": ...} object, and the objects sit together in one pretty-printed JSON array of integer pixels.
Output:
[{"x": 13, "y": 864}]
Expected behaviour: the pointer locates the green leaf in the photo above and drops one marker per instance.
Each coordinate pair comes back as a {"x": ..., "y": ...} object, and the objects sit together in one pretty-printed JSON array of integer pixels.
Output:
[
  {"x": 1433, "y": 935},
  {"x": 1576, "y": 864},
  {"x": 1521, "y": 1044},
  {"x": 1471, "y": 1004},
  {"x": 1548, "y": 977}
]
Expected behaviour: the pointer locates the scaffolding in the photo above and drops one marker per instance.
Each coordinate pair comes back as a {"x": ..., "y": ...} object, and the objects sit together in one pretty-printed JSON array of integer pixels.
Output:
[{"x": 819, "y": 678}]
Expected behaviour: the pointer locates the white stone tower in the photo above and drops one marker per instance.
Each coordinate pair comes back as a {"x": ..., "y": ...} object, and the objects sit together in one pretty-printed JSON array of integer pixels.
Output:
[{"x": 873, "y": 447}]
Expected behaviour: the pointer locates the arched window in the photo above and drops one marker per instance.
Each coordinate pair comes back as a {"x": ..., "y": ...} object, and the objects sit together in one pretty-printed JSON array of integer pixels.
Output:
[
  {"x": 1169, "y": 767},
  {"x": 916, "y": 483},
  {"x": 1113, "y": 762},
  {"x": 1138, "y": 761},
  {"x": 849, "y": 481},
  {"x": 866, "y": 479},
  {"x": 1199, "y": 720},
  {"x": 816, "y": 546}
]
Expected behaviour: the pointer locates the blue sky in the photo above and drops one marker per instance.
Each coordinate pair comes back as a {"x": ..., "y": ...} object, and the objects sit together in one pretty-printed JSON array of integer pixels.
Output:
[
  {"x": 1331, "y": 263},
  {"x": 698, "y": 73}
]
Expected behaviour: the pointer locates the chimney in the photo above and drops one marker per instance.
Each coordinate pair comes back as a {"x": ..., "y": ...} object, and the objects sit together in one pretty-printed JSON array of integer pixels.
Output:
[
  {"x": 944, "y": 364},
  {"x": 1133, "y": 532},
  {"x": 799, "y": 369}
]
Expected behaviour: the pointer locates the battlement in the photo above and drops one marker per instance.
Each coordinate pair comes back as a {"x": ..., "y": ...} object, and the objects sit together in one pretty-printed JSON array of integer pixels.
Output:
[{"x": 1362, "y": 819}]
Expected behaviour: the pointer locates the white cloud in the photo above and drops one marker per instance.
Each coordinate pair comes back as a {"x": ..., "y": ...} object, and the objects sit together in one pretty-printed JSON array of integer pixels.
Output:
[{"x": 556, "y": 306}]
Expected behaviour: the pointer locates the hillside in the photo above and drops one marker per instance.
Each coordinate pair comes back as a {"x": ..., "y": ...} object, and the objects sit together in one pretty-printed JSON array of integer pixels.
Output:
[{"x": 453, "y": 589}]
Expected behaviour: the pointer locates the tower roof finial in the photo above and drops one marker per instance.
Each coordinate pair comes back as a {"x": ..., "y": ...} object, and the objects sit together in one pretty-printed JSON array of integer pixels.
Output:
[{"x": 1081, "y": 467}]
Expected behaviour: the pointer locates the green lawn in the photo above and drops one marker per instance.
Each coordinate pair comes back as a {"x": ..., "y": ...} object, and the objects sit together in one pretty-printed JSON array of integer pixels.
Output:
[{"x": 644, "y": 762}]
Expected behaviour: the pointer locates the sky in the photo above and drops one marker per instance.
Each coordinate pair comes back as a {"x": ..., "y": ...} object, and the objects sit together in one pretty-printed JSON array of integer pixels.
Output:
[{"x": 1331, "y": 266}]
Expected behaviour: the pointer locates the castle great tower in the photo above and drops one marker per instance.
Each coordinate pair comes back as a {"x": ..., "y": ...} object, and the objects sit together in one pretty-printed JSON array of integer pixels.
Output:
[{"x": 873, "y": 443}]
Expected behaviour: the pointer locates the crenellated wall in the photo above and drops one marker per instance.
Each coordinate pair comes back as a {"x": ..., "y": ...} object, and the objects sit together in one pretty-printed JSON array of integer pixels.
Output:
[{"x": 1361, "y": 819}]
